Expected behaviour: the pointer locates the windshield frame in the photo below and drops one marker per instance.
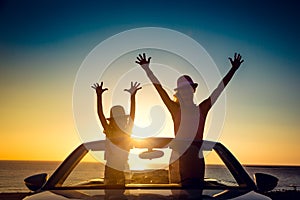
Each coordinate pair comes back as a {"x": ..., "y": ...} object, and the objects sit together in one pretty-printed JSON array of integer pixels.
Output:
[{"x": 57, "y": 179}]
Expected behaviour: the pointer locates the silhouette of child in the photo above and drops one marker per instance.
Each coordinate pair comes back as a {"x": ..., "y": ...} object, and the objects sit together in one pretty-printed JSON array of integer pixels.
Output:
[{"x": 117, "y": 129}]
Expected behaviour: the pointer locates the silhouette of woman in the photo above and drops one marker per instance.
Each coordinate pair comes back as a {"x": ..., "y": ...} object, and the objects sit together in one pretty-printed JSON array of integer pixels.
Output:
[
  {"x": 118, "y": 130},
  {"x": 188, "y": 118}
]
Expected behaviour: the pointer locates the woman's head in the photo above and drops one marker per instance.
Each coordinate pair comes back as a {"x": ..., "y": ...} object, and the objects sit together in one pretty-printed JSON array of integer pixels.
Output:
[
  {"x": 185, "y": 89},
  {"x": 184, "y": 82}
]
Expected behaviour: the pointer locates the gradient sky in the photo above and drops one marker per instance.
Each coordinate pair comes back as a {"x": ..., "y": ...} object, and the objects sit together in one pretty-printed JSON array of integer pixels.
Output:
[{"x": 43, "y": 43}]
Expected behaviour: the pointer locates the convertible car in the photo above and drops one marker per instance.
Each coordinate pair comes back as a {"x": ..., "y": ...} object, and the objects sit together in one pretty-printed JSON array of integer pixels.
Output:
[{"x": 79, "y": 178}]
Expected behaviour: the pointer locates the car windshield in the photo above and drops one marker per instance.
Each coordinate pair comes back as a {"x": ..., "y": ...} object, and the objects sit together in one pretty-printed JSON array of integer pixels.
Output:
[{"x": 149, "y": 168}]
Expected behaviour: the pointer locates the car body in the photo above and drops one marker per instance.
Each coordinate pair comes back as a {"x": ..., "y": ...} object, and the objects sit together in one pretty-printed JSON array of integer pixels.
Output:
[{"x": 239, "y": 187}]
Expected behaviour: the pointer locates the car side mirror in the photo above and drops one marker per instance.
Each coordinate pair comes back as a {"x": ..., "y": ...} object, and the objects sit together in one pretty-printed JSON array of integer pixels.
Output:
[
  {"x": 36, "y": 182},
  {"x": 265, "y": 182}
]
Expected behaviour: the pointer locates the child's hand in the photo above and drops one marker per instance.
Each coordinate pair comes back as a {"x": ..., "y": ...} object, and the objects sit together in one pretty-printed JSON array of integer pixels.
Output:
[
  {"x": 133, "y": 88},
  {"x": 99, "y": 88}
]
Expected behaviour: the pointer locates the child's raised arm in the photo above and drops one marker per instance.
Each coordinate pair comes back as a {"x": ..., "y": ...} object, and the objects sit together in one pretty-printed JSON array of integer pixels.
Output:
[
  {"x": 99, "y": 90},
  {"x": 134, "y": 87}
]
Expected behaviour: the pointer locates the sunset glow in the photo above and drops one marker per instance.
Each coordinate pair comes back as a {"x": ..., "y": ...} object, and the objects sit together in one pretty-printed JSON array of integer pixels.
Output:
[{"x": 40, "y": 59}]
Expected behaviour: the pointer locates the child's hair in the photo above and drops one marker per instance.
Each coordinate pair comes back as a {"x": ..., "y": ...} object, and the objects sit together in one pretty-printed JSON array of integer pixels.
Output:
[
  {"x": 118, "y": 116},
  {"x": 118, "y": 121}
]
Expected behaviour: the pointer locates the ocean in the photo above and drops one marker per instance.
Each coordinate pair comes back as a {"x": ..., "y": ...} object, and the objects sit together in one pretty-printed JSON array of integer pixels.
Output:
[{"x": 12, "y": 173}]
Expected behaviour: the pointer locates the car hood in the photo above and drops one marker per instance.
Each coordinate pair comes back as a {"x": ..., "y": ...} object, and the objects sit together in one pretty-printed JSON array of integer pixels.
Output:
[{"x": 131, "y": 195}]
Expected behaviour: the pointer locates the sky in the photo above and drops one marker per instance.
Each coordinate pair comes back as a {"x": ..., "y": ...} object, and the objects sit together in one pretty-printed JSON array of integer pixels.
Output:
[{"x": 44, "y": 43}]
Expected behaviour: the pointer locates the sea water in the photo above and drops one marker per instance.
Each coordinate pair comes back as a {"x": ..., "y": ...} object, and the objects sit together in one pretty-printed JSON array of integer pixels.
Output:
[{"x": 12, "y": 173}]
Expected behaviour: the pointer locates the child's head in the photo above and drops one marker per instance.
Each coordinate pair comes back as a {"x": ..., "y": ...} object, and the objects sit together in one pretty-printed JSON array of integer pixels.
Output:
[{"x": 118, "y": 118}]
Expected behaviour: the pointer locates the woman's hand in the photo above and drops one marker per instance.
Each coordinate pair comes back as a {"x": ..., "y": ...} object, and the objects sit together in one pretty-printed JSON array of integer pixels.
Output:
[
  {"x": 237, "y": 61},
  {"x": 142, "y": 60}
]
